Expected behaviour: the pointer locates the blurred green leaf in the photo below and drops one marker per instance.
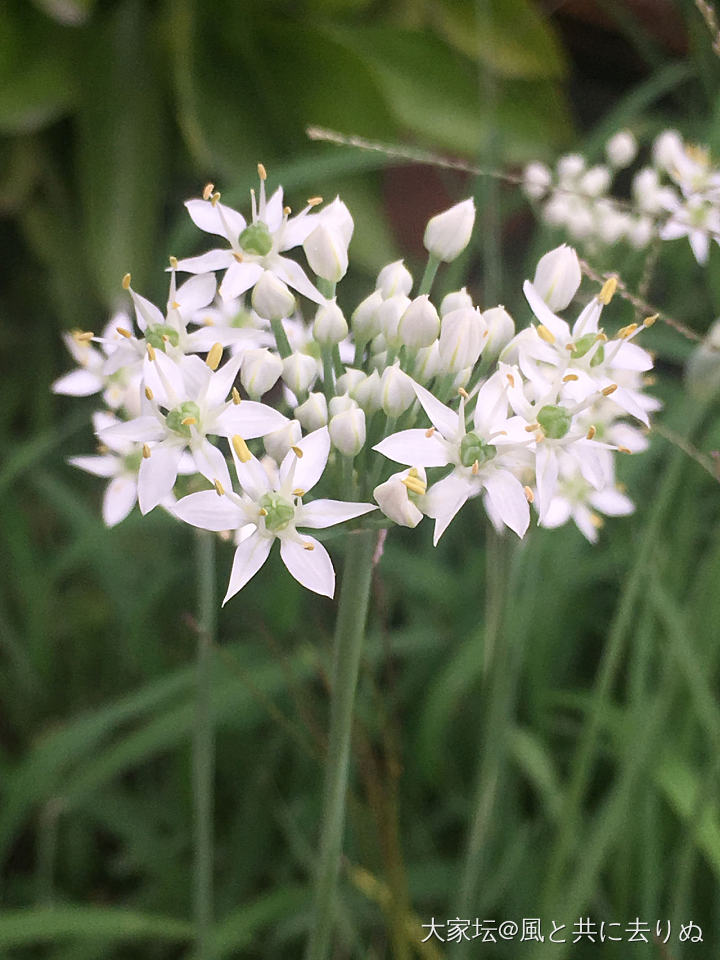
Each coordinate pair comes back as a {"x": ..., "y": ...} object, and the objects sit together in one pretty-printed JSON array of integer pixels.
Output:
[
  {"x": 692, "y": 804},
  {"x": 26, "y": 927}
]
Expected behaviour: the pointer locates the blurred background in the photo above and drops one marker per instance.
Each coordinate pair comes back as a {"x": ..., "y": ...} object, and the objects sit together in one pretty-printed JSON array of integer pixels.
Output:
[{"x": 588, "y": 757}]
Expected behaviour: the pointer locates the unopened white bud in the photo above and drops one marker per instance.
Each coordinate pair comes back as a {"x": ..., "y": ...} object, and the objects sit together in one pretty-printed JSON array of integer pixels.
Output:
[
  {"x": 367, "y": 393},
  {"x": 427, "y": 363},
  {"x": 260, "y": 371},
  {"x": 279, "y": 441},
  {"x": 396, "y": 500},
  {"x": 349, "y": 380},
  {"x": 300, "y": 371},
  {"x": 640, "y": 232},
  {"x": 394, "y": 279},
  {"x": 455, "y": 301},
  {"x": 558, "y": 276},
  {"x": 347, "y": 431},
  {"x": 462, "y": 378},
  {"x": 327, "y": 253},
  {"x": 330, "y": 325},
  {"x": 611, "y": 223},
  {"x": 313, "y": 413},
  {"x": 337, "y": 216},
  {"x": 271, "y": 298},
  {"x": 396, "y": 391},
  {"x": 448, "y": 233},
  {"x": 419, "y": 326},
  {"x": 536, "y": 180},
  {"x": 462, "y": 337},
  {"x": 364, "y": 319},
  {"x": 501, "y": 330},
  {"x": 569, "y": 168},
  {"x": 389, "y": 314},
  {"x": 621, "y": 149},
  {"x": 667, "y": 148},
  {"x": 595, "y": 181},
  {"x": 340, "y": 404}
]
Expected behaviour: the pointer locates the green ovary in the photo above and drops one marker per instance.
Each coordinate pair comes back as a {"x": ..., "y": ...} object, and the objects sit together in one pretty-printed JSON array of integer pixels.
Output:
[
  {"x": 280, "y": 512},
  {"x": 555, "y": 421},
  {"x": 161, "y": 334},
  {"x": 473, "y": 448},
  {"x": 176, "y": 416},
  {"x": 256, "y": 239}
]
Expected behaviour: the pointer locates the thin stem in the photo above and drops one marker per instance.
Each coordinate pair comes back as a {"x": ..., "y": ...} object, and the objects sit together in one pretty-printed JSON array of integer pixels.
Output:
[
  {"x": 431, "y": 269},
  {"x": 328, "y": 373},
  {"x": 283, "y": 344},
  {"x": 349, "y": 632},
  {"x": 203, "y": 748}
]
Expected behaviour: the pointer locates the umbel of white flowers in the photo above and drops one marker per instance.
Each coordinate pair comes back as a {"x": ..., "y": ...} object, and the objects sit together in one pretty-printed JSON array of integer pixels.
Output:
[{"x": 270, "y": 406}]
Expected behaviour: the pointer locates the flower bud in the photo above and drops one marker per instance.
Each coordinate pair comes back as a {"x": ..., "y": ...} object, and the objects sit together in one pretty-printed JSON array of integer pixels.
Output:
[
  {"x": 260, "y": 371},
  {"x": 569, "y": 169},
  {"x": 667, "y": 148},
  {"x": 536, "y": 180},
  {"x": 330, "y": 325},
  {"x": 347, "y": 431},
  {"x": 337, "y": 217},
  {"x": 640, "y": 232},
  {"x": 558, "y": 277},
  {"x": 462, "y": 337},
  {"x": 621, "y": 149},
  {"x": 349, "y": 380},
  {"x": 271, "y": 298},
  {"x": 279, "y": 441},
  {"x": 427, "y": 363},
  {"x": 455, "y": 301},
  {"x": 389, "y": 314},
  {"x": 448, "y": 233},
  {"x": 300, "y": 371},
  {"x": 364, "y": 319},
  {"x": 595, "y": 181},
  {"x": 396, "y": 391},
  {"x": 419, "y": 326},
  {"x": 394, "y": 279},
  {"x": 327, "y": 253},
  {"x": 396, "y": 499},
  {"x": 462, "y": 378},
  {"x": 340, "y": 404},
  {"x": 367, "y": 393},
  {"x": 313, "y": 413},
  {"x": 501, "y": 330}
]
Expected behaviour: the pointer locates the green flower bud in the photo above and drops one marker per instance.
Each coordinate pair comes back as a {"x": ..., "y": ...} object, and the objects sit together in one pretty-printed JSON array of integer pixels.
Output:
[
  {"x": 256, "y": 239},
  {"x": 555, "y": 421},
  {"x": 473, "y": 447}
]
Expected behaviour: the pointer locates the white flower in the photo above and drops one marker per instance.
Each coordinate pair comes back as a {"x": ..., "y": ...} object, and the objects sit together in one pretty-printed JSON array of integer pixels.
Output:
[
  {"x": 419, "y": 325},
  {"x": 396, "y": 391},
  {"x": 120, "y": 465},
  {"x": 280, "y": 441},
  {"x": 389, "y": 315},
  {"x": 456, "y": 300},
  {"x": 347, "y": 431},
  {"x": 364, "y": 319},
  {"x": 326, "y": 248},
  {"x": 367, "y": 393},
  {"x": 557, "y": 277},
  {"x": 260, "y": 371},
  {"x": 621, "y": 149},
  {"x": 569, "y": 169},
  {"x": 577, "y": 500},
  {"x": 394, "y": 280},
  {"x": 274, "y": 512},
  {"x": 697, "y": 220},
  {"x": 399, "y": 495},
  {"x": 313, "y": 413},
  {"x": 501, "y": 329},
  {"x": 299, "y": 372},
  {"x": 271, "y": 298},
  {"x": 330, "y": 325},
  {"x": 448, "y": 233},
  {"x": 463, "y": 334}
]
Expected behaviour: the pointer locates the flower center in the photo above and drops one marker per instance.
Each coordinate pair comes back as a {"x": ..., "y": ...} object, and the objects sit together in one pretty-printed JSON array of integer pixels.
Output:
[
  {"x": 177, "y": 417},
  {"x": 473, "y": 448},
  {"x": 279, "y": 512},
  {"x": 160, "y": 334},
  {"x": 555, "y": 421},
  {"x": 582, "y": 345},
  {"x": 132, "y": 461},
  {"x": 256, "y": 239}
]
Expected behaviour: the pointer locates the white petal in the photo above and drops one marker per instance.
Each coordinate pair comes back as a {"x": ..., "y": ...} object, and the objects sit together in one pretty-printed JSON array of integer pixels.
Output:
[
  {"x": 558, "y": 513},
  {"x": 139, "y": 430},
  {"x": 250, "y": 555},
  {"x": 78, "y": 383},
  {"x": 164, "y": 378},
  {"x": 273, "y": 214},
  {"x": 587, "y": 322},
  {"x": 196, "y": 293},
  {"x": 216, "y": 218},
  {"x": 120, "y": 497},
  {"x": 443, "y": 501},
  {"x": 508, "y": 498},
  {"x": 221, "y": 382},
  {"x": 252, "y": 476},
  {"x": 326, "y": 513},
  {"x": 544, "y": 314},
  {"x": 312, "y": 568},
  {"x": 442, "y": 417},
  {"x": 212, "y": 260},
  {"x": 157, "y": 475},
  {"x": 98, "y": 466},
  {"x": 208, "y": 511},
  {"x": 297, "y": 230},
  {"x": 546, "y": 470},
  {"x": 630, "y": 356},
  {"x": 414, "y": 448},
  {"x": 594, "y": 460},
  {"x": 250, "y": 419},
  {"x": 239, "y": 278},
  {"x": 294, "y": 276},
  {"x": 196, "y": 378},
  {"x": 627, "y": 400},
  {"x": 584, "y": 522},
  {"x": 148, "y": 315},
  {"x": 611, "y": 502},
  {"x": 492, "y": 405},
  {"x": 211, "y": 463},
  {"x": 308, "y": 468},
  {"x": 700, "y": 243}
]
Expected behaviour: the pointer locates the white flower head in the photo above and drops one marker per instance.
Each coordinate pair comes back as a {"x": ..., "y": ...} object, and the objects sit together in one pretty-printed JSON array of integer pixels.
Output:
[
  {"x": 401, "y": 494},
  {"x": 448, "y": 233}
]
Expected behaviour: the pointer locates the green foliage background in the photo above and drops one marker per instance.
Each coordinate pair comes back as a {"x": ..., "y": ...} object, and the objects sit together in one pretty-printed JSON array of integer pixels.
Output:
[{"x": 590, "y": 730}]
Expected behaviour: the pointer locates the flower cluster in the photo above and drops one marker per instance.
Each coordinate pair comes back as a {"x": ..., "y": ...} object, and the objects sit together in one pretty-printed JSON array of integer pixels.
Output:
[
  {"x": 676, "y": 195},
  {"x": 268, "y": 378}
]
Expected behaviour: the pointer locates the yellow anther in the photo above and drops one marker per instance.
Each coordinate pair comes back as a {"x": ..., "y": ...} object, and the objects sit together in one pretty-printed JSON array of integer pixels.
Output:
[
  {"x": 287, "y": 211},
  {"x": 531, "y": 427},
  {"x": 596, "y": 521},
  {"x": 83, "y": 336},
  {"x": 298, "y": 492},
  {"x": 215, "y": 198},
  {"x": 649, "y": 380},
  {"x": 430, "y": 432},
  {"x": 627, "y": 331},
  {"x": 308, "y": 546},
  {"x": 606, "y": 391},
  {"x": 126, "y": 281},
  {"x": 475, "y": 468},
  {"x": 413, "y": 472},
  {"x": 570, "y": 346},
  {"x": 624, "y": 450},
  {"x": 173, "y": 262},
  {"x": 241, "y": 449},
  {"x": 608, "y": 290},
  {"x": 510, "y": 379},
  {"x": 591, "y": 433},
  {"x": 219, "y": 489},
  {"x": 602, "y": 337},
  {"x": 298, "y": 452},
  {"x": 123, "y": 332},
  {"x": 539, "y": 436},
  {"x": 148, "y": 393},
  {"x": 188, "y": 421},
  {"x": 150, "y": 351},
  {"x": 547, "y": 335},
  {"x": 174, "y": 305},
  {"x": 262, "y": 172},
  {"x": 414, "y": 482},
  {"x": 208, "y": 321},
  {"x": 214, "y": 356},
  {"x": 529, "y": 495},
  {"x": 208, "y": 191},
  {"x": 649, "y": 321},
  {"x": 102, "y": 448},
  {"x": 237, "y": 256},
  {"x": 165, "y": 338},
  {"x": 146, "y": 452},
  {"x": 263, "y": 512},
  {"x": 463, "y": 393},
  {"x": 314, "y": 201},
  {"x": 569, "y": 376},
  {"x": 236, "y": 399}
]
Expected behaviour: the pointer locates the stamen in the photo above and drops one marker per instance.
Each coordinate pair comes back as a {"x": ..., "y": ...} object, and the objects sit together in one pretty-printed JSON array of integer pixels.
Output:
[
  {"x": 529, "y": 495},
  {"x": 241, "y": 449},
  {"x": 262, "y": 172},
  {"x": 624, "y": 450},
  {"x": 314, "y": 201},
  {"x": 298, "y": 492},
  {"x": 539, "y": 436},
  {"x": 287, "y": 211},
  {"x": 219, "y": 488},
  {"x": 236, "y": 398},
  {"x": 188, "y": 421},
  {"x": 570, "y": 346},
  {"x": 263, "y": 512},
  {"x": 208, "y": 321},
  {"x": 463, "y": 393},
  {"x": 606, "y": 391},
  {"x": 298, "y": 452},
  {"x": 531, "y": 427},
  {"x": 124, "y": 333},
  {"x": 475, "y": 468},
  {"x": 150, "y": 351},
  {"x": 413, "y": 483},
  {"x": 214, "y": 356},
  {"x": 602, "y": 337},
  {"x": 208, "y": 191},
  {"x": 175, "y": 305},
  {"x": 608, "y": 290},
  {"x": 596, "y": 521},
  {"x": 126, "y": 281},
  {"x": 591, "y": 433},
  {"x": 510, "y": 379},
  {"x": 547, "y": 335},
  {"x": 215, "y": 198},
  {"x": 649, "y": 321},
  {"x": 102, "y": 448},
  {"x": 430, "y": 432},
  {"x": 649, "y": 380},
  {"x": 83, "y": 336},
  {"x": 308, "y": 546},
  {"x": 627, "y": 331},
  {"x": 569, "y": 376},
  {"x": 237, "y": 256},
  {"x": 173, "y": 262},
  {"x": 148, "y": 393},
  {"x": 146, "y": 452}
]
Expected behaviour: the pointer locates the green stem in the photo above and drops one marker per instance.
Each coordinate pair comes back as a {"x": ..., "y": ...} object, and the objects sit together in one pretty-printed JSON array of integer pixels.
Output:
[
  {"x": 283, "y": 344},
  {"x": 349, "y": 632},
  {"x": 431, "y": 269},
  {"x": 328, "y": 373},
  {"x": 203, "y": 748},
  {"x": 326, "y": 287}
]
